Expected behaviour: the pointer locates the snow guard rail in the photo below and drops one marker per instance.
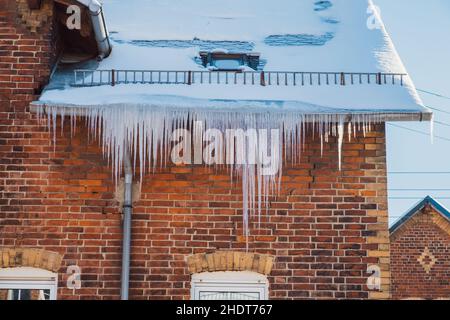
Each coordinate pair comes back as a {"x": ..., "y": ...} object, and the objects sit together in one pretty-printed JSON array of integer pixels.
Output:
[{"x": 89, "y": 78}]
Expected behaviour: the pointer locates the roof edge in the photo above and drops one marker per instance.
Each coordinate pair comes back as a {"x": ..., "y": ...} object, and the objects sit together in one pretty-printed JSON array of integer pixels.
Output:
[
  {"x": 444, "y": 212},
  {"x": 399, "y": 116}
]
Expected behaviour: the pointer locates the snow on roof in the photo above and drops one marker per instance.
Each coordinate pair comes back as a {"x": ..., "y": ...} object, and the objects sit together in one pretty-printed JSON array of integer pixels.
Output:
[
  {"x": 290, "y": 35},
  {"x": 334, "y": 99}
]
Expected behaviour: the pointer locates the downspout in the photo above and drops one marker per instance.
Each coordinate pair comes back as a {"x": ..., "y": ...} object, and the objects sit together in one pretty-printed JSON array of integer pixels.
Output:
[
  {"x": 99, "y": 27},
  {"x": 126, "y": 242}
]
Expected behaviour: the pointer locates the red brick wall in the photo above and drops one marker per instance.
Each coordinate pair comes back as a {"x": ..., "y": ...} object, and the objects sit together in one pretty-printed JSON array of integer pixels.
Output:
[
  {"x": 409, "y": 278},
  {"x": 318, "y": 229},
  {"x": 324, "y": 229}
]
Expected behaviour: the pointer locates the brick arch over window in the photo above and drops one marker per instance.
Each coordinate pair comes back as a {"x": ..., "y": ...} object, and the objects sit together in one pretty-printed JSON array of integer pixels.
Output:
[
  {"x": 230, "y": 261},
  {"x": 28, "y": 257}
]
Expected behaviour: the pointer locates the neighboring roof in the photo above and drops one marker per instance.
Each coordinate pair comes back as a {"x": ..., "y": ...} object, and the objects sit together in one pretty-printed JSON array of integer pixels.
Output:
[
  {"x": 94, "y": 4},
  {"x": 417, "y": 208},
  {"x": 290, "y": 35}
]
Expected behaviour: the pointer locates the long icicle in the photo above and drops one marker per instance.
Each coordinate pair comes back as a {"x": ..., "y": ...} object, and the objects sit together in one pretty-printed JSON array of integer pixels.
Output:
[{"x": 148, "y": 133}]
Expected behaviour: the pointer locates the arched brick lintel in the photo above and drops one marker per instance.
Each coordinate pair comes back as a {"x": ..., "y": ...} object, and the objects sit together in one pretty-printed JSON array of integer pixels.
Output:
[
  {"x": 28, "y": 257},
  {"x": 230, "y": 261}
]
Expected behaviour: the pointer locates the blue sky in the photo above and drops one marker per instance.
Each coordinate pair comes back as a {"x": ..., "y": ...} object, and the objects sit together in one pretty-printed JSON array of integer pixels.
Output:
[{"x": 420, "y": 31}]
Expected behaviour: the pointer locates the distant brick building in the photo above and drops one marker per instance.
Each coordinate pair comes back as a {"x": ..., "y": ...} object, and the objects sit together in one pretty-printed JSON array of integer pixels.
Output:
[
  {"x": 59, "y": 206},
  {"x": 420, "y": 253}
]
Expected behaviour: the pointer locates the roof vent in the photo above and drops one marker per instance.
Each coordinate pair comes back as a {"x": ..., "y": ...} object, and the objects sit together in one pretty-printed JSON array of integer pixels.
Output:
[{"x": 221, "y": 60}]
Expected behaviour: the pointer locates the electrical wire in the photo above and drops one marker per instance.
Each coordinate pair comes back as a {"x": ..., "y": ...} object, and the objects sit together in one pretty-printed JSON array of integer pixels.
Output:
[
  {"x": 442, "y": 123},
  {"x": 419, "y": 189},
  {"x": 418, "y": 172},
  {"x": 437, "y": 109},
  {"x": 433, "y": 93},
  {"x": 419, "y": 132},
  {"x": 417, "y": 198},
  {"x": 422, "y": 172}
]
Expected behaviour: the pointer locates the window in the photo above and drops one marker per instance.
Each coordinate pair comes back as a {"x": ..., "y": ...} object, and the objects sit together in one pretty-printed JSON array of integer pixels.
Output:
[
  {"x": 218, "y": 60},
  {"x": 229, "y": 285},
  {"x": 227, "y": 64},
  {"x": 27, "y": 284}
]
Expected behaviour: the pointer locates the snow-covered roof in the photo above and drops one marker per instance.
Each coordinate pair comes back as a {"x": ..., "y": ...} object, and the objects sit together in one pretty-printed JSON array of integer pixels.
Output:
[{"x": 290, "y": 35}]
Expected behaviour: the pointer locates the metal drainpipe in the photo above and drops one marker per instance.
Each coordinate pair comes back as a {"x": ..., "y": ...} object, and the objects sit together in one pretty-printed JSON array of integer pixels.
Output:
[
  {"x": 99, "y": 27},
  {"x": 126, "y": 243}
]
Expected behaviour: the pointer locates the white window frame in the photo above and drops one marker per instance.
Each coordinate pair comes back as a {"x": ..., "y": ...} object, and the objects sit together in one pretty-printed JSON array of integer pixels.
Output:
[
  {"x": 29, "y": 278},
  {"x": 229, "y": 281}
]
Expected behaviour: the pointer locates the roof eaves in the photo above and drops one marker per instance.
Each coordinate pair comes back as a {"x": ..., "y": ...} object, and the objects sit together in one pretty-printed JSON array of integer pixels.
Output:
[{"x": 412, "y": 212}]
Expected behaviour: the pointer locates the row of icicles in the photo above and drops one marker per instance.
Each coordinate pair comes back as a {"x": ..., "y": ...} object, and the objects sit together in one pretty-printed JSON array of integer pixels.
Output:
[{"x": 146, "y": 134}]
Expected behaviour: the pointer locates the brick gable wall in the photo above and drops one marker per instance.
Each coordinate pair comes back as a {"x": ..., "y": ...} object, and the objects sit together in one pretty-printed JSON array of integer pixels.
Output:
[
  {"x": 323, "y": 231},
  {"x": 425, "y": 234}
]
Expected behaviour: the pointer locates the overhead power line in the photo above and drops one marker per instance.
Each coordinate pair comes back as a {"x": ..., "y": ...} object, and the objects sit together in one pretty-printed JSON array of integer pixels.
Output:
[
  {"x": 417, "y": 198},
  {"x": 419, "y": 132},
  {"x": 437, "y": 109},
  {"x": 419, "y": 172},
  {"x": 431, "y": 189},
  {"x": 442, "y": 123},
  {"x": 433, "y": 94}
]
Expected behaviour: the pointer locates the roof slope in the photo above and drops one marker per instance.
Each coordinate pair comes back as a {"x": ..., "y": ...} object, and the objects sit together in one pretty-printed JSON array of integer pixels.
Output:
[
  {"x": 444, "y": 212},
  {"x": 291, "y": 35}
]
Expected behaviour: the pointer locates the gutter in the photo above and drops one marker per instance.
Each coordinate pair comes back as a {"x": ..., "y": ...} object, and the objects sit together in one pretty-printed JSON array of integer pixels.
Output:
[
  {"x": 126, "y": 242},
  {"x": 99, "y": 26},
  {"x": 389, "y": 116}
]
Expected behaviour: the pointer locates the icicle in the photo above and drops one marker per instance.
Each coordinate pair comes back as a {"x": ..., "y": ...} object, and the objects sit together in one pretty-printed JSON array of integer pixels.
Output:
[
  {"x": 340, "y": 130},
  {"x": 349, "y": 129},
  {"x": 54, "y": 119},
  {"x": 432, "y": 129},
  {"x": 146, "y": 132},
  {"x": 321, "y": 145}
]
